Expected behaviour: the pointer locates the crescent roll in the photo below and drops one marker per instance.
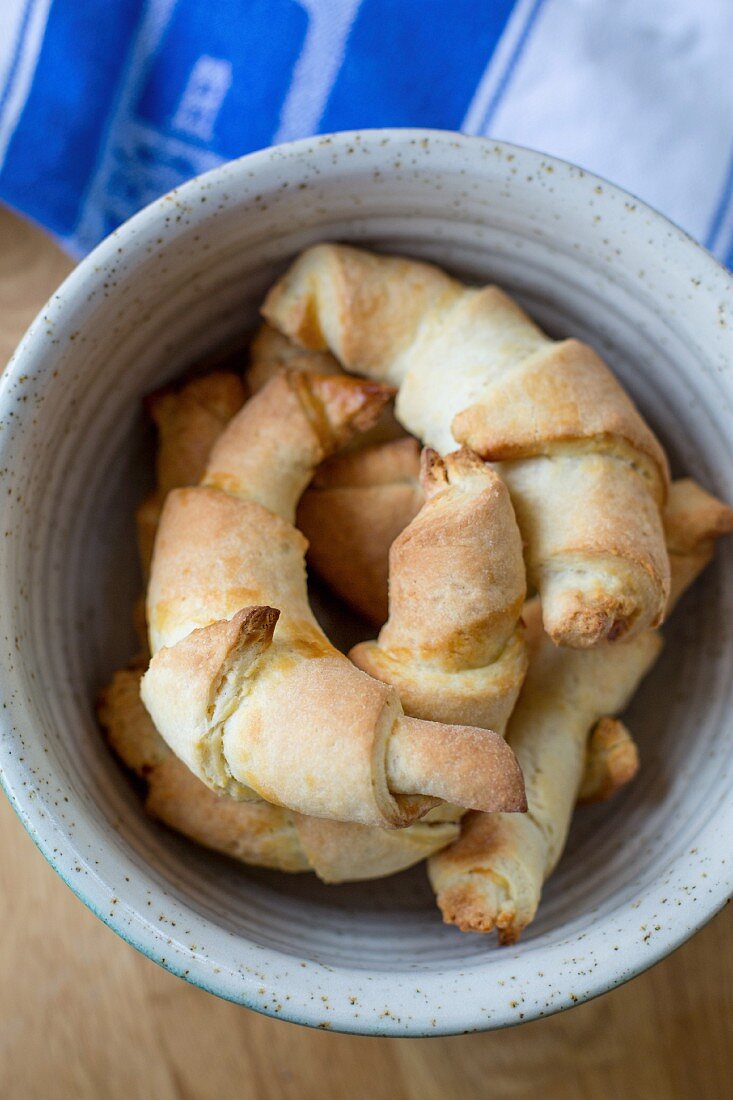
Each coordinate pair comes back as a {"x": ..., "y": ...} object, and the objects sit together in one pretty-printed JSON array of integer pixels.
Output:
[
  {"x": 611, "y": 761},
  {"x": 492, "y": 877},
  {"x": 253, "y": 832},
  {"x": 330, "y": 514},
  {"x": 355, "y": 508},
  {"x": 587, "y": 476},
  {"x": 189, "y": 419},
  {"x": 262, "y": 835},
  {"x": 256, "y": 833},
  {"x": 270, "y": 352},
  {"x": 451, "y": 645},
  {"x": 243, "y": 684}
]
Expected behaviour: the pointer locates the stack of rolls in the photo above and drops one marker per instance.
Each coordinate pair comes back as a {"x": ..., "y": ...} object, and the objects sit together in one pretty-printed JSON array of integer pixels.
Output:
[{"x": 514, "y": 573}]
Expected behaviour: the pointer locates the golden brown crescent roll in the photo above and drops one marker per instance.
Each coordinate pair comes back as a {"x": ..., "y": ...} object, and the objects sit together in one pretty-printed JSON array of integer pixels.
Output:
[
  {"x": 256, "y": 833},
  {"x": 356, "y": 506},
  {"x": 587, "y": 476},
  {"x": 452, "y": 646},
  {"x": 611, "y": 761},
  {"x": 189, "y": 419},
  {"x": 270, "y": 352},
  {"x": 253, "y": 832},
  {"x": 492, "y": 876},
  {"x": 280, "y": 714},
  {"x": 263, "y": 835},
  {"x": 347, "y": 530}
]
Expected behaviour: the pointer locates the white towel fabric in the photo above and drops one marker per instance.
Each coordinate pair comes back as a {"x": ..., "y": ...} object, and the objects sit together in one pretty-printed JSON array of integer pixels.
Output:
[
  {"x": 639, "y": 91},
  {"x": 107, "y": 103}
]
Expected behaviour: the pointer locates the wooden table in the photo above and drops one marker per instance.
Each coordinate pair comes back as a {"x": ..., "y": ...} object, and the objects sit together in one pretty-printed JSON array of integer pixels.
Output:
[{"x": 82, "y": 1015}]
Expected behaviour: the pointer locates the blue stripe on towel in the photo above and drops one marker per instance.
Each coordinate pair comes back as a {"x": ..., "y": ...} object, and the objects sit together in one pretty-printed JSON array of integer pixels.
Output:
[
  {"x": 728, "y": 258},
  {"x": 222, "y": 72},
  {"x": 416, "y": 65},
  {"x": 17, "y": 54},
  {"x": 508, "y": 73},
  {"x": 52, "y": 153},
  {"x": 711, "y": 238}
]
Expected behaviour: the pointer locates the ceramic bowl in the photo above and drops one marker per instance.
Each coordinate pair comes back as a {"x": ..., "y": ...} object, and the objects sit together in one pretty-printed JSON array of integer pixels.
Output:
[{"x": 185, "y": 276}]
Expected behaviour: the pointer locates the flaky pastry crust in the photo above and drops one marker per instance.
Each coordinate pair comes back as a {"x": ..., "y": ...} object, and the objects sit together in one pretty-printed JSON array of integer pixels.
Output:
[{"x": 586, "y": 474}]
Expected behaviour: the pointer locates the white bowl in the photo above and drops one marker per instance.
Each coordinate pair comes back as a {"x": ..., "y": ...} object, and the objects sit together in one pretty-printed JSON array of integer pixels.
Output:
[{"x": 185, "y": 276}]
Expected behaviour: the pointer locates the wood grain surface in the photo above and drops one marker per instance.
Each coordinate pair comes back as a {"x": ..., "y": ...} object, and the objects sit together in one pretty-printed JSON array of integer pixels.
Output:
[{"x": 82, "y": 1015}]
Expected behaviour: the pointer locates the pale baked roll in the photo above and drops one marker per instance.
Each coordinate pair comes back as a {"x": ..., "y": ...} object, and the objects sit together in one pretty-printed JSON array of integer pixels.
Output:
[
  {"x": 279, "y": 713},
  {"x": 586, "y": 474},
  {"x": 339, "y": 851},
  {"x": 255, "y": 833},
  {"x": 492, "y": 877},
  {"x": 452, "y": 646}
]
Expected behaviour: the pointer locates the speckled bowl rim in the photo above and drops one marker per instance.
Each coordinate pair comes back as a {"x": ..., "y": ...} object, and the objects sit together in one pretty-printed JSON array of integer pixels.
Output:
[{"x": 558, "y": 984}]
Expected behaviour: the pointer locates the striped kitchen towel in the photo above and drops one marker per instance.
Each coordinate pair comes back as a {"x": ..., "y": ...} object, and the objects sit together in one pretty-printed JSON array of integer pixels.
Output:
[{"x": 105, "y": 104}]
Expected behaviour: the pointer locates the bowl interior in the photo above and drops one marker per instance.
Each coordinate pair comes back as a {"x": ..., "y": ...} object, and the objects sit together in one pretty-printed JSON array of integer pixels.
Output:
[{"x": 186, "y": 279}]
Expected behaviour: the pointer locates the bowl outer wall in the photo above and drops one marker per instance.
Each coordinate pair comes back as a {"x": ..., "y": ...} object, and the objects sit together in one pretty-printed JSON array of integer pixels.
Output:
[{"x": 513, "y": 986}]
